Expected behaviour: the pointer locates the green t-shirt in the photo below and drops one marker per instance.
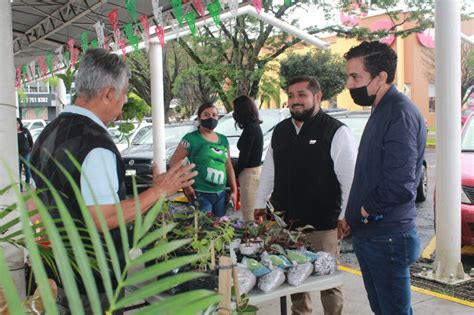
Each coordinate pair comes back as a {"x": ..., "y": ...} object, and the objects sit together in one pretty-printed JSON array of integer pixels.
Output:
[{"x": 210, "y": 159}]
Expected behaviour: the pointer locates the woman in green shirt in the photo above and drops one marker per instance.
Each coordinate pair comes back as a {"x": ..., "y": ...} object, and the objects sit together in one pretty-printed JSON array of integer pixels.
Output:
[{"x": 209, "y": 150}]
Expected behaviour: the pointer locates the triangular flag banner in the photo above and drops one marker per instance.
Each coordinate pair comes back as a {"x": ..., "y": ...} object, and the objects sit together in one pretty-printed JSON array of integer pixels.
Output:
[
  {"x": 60, "y": 56},
  {"x": 191, "y": 20},
  {"x": 94, "y": 43},
  {"x": 146, "y": 30},
  {"x": 161, "y": 34},
  {"x": 84, "y": 41},
  {"x": 288, "y": 2},
  {"x": 49, "y": 62},
  {"x": 18, "y": 77},
  {"x": 32, "y": 70},
  {"x": 178, "y": 10},
  {"x": 43, "y": 67},
  {"x": 258, "y": 5},
  {"x": 215, "y": 11},
  {"x": 199, "y": 7},
  {"x": 67, "y": 58},
  {"x": 113, "y": 19},
  {"x": 128, "y": 30},
  {"x": 135, "y": 42},
  {"x": 99, "y": 30},
  {"x": 234, "y": 7},
  {"x": 24, "y": 74},
  {"x": 123, "y": 46},
  {"x": 222, "y": 3},
  {"x": 72, "y": 54},
  {"x": 175, "y": 27},
  {"x": 157, "y": 12},
  {"x": 132, "y": 8}
]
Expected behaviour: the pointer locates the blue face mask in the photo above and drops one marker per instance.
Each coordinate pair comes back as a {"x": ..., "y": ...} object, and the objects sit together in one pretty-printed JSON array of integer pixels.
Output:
[{"x": 209, "y": 123}]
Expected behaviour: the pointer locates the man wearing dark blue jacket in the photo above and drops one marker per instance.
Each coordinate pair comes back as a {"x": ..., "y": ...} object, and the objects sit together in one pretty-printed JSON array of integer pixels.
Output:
[{"x": 381, "y": 208}]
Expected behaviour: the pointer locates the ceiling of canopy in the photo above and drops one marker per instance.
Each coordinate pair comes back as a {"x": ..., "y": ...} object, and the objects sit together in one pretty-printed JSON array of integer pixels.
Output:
[{"x": 41, "y": 26}]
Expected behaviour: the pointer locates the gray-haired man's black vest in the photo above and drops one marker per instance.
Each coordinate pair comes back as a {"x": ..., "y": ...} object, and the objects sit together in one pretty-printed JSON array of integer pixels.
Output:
[
  {"x": 306, "y": 187},
  {"x": 77, "y": 135}
]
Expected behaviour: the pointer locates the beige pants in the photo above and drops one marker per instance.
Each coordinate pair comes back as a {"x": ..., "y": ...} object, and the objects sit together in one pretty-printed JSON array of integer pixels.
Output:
[
  {"x": 248, "y": 180},
  {"x": 331, "y": 299}
]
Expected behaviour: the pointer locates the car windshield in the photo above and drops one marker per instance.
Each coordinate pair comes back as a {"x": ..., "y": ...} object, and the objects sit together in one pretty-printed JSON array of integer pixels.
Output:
[
  {"x": 467, "y": 143},
  {"x": 117, "y": 136},
  {"x": 173, "y": 134},
  {"x": 269, "y": 118},
  {"x": 356, "y": 124}
]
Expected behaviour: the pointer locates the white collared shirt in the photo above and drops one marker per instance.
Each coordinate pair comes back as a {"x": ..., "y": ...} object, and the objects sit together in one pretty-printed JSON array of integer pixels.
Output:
[{"x": 343, "y": 154}]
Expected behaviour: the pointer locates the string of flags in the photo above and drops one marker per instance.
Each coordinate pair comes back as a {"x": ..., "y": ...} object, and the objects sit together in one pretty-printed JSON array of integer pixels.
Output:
[{"x": 131, "y": 34}]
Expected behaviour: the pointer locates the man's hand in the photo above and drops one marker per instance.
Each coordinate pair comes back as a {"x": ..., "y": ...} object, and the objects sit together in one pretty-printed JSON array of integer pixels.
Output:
[
  {"x": 363, "y": 212},
  {"x": 259, "y": 215},
  {"x": 343, "y": 229},
  {"x": 177, "y": 177}
]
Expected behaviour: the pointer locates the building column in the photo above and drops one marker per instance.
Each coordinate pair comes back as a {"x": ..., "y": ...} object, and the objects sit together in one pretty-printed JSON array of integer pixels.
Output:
[
  {"x": 8, "y": 139},
  {"x": 60, "y": 97},
  {"x": 157, "y": 105},
  {"x": 448, "y": 266}
]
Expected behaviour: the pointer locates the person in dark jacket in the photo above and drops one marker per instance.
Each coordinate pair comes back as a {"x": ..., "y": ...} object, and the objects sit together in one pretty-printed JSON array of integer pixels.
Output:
[
  {"x": 381, "y": 208},
  {"x": 308, "y": 172},
  {"x": 250, "y": 147},
  {"x": 101, "y": 86},
  {"x": 25, "y": 144}
]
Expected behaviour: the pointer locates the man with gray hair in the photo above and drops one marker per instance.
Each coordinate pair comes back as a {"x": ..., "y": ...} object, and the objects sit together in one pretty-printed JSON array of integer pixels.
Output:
[{"x": 80, "y": 130}]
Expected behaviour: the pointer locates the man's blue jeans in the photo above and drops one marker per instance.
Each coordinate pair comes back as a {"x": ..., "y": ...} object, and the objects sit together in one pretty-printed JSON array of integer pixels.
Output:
[{"x": 385, "y": 264}]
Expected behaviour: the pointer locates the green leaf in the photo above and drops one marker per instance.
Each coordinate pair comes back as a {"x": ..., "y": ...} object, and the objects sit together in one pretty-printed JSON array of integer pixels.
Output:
[
  {"x": 150, "y": 217},
  {"x": 157, "y": 288},
  {"x": 159, "y": 251},
  {"x": 61, "y": 256},
  {"x": 75, "y": 239},
  {"x": 160, "y": 269},
  {"x": 196, "y": 300},
  {"x": 156, "y": 234},
  {"x": 9, "y": 288}
]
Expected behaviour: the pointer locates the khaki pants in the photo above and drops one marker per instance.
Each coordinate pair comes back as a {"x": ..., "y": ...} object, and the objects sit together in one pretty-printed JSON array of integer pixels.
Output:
[
  {"x": 248, "y": 180},
  {"x": 331, "y": 299}
]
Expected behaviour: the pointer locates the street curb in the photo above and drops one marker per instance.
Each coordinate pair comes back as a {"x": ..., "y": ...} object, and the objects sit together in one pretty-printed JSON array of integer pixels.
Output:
[{"x": 417, "y": 289}]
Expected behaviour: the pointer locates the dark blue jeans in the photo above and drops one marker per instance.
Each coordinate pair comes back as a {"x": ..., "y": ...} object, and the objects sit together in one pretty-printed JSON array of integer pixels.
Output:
[
  {"x": 214, "y": 202},
  {"x": 385, "y": 264},
  {"x": 27, "y": 169}
]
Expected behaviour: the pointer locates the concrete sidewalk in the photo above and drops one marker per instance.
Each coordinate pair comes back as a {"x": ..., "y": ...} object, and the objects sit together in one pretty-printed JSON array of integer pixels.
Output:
[{"x": 356, "y": 302}]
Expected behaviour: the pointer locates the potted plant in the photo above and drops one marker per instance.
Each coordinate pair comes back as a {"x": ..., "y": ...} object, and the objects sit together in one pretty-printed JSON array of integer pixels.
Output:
[{"x": 244, "y": 308}]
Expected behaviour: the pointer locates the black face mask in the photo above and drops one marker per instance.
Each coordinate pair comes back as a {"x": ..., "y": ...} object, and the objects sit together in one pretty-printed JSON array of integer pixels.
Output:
[
  {"x": 361, "y": 96},
  {"x": 209, "y": 123}
]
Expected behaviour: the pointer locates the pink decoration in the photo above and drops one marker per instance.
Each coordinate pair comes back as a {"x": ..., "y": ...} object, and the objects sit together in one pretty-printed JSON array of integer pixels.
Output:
[
  {"x": 70, "y": 44},
  {"x": 427, "y": 38},
  {"x": 348, "y": 20},
  {"x": 18, "y": 77},
  {"x": 113, "y": 19},
  {"x": 123, "y": 45},
  {"x": 199, "y": 7},
  {"x": 381, "y": 25},
  {"x": 258, "y": 5},
  {"x": 146, "y": 27},
  {"x": 161, "y": 34},
  {"x": 43, "y": 67}
]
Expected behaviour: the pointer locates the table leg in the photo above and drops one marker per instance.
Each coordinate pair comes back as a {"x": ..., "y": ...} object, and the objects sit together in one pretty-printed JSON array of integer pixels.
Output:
[{"x": 283, "y": 305}]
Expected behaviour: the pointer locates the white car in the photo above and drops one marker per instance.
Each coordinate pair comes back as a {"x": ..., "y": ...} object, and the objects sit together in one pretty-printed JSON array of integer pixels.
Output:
[{"x": 32, "y": 124}]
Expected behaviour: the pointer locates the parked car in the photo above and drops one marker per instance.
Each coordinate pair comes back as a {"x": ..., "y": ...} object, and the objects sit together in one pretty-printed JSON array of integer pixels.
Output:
[
  {"x": 139, "y": 155},
  {"x": 33, "y": 124},
  {"x": 467, "y": 182},
  {"x": 356, "y": 121}
]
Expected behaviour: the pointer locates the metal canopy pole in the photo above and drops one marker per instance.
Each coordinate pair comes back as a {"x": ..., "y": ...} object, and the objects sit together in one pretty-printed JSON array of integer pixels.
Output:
[
  {"x": 157, "y": 105},
  {"x": 8, "y": 142},
  {"x": 448, "y": 267}
]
